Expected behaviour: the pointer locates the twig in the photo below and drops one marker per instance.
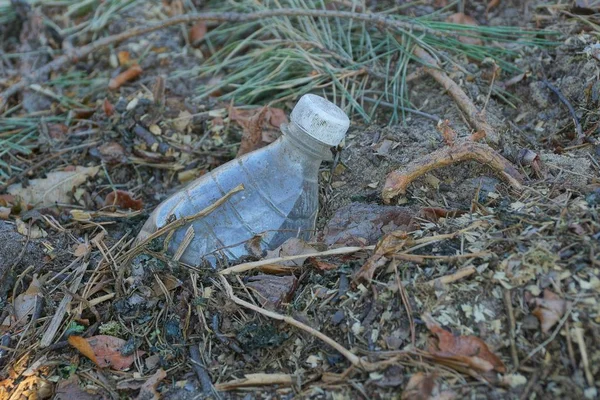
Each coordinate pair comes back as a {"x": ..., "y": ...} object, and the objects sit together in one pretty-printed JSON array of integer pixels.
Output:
[
  {"x": 397, "y": 181},
  {"x": 458, "y": 275},
  {"x": 534, "y": 379},
  {"x": 566, "y": 102},
  {"x": 511, "y": 327},
  {"x": 77, "y": 54},
  {"x": 150, "y": 139},
  {"x": 408, "y": 308},
  {"x": 578, "y": 332},
  {"x": 353, "y": 358},
  {"x": 553, "y": 336},
  {"x": 255, "y": 264},
  {"x": 203, "y": 377},
  {"x": 62, "y": 308},
  {"x": 474, "y": 116}
]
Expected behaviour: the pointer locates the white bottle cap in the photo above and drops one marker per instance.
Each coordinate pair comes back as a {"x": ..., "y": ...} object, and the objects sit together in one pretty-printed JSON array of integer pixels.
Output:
[{"x": 321, "y": 119}]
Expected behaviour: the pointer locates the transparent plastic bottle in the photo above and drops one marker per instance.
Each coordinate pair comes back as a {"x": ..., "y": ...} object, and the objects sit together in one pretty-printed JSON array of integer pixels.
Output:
[{"x": 280, "y": 197}]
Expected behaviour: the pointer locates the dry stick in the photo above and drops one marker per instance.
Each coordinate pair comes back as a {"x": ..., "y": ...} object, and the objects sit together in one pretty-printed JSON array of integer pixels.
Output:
[
  {"x": 565, "y": 101},
  {"x": 511, "y": 327},
  {"x": 473, "y": 115},
  {"x": 405, "y": 301},
  {"x": 353, "y": 358},
  {"x": 458, "y": 275},
  {"x": 81, "y": 52},
  {"x": 255, "y": 264},
  {"x": 397, "y": 181},
  {"x": 578, "y": 332}
]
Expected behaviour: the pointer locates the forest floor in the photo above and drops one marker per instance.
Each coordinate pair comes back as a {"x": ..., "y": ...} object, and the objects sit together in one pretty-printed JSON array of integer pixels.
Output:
[{"x": 477, "y": 287}]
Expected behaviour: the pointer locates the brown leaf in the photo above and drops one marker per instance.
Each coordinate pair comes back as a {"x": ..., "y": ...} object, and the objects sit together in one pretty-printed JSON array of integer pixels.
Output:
[
  {"x": 322, "y": 265},
  {"x": 273, "y": 290},
  {"x": 108, "y": 108},
  {"x": 197, "y": 33},
  {"x": 148, "y": 389},
  {"x": 260, "y": 126},
  {"x": 124, "y": 58},
  {"x": 55, "y": 188},
  {"x": 69, "y": 389},
  {"x": 104, "y": 351},
  {"x": 24, "y": 304},
  {"x": 463, "y": 19},
  {"x": 110, "y": 153},
  {"x": 492, "y": 4},
  {"x": 469, "y": 350},
  {"x": 586, "y": 7},
  {"x": 425, "y": 387},
  {"x": 391, "y": 243},
  {"x": 58, "y": 131},
  {"x": 549, "y": 310},
  {"x": 360, "y": 224},
  {"x": 131, "y": 73},
  {"x": 123, "y": 200},
  {"x": 447, "y": 132},
  {"x": 292, "y": 247}
]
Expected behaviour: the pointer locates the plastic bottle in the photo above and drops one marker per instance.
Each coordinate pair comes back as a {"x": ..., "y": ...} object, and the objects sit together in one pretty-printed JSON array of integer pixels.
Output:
[{"x": 280, "y": 196}]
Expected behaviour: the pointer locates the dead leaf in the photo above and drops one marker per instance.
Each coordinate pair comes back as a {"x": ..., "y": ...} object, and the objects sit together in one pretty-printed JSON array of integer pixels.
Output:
[
  {"x": 549, "y": 310},
  {"x": 425, "y": 387},
  {"x": 31, "y": 231},
  {"x": 82, "y": 249},
  {"x": 69, "y": 389},
  {"x": 469, "y": 350},
  {"x": 123, "y": 200},
  {"x": 104, "y": 351},
  {"x": 463, "y": 19},
  {"x": 108, "y": 108},
  {"x": 322, "y": 265},
  {"x": 58, "y": 131},
  {"x": 148, "y": 389},
  {"x": 24, "y": 304},
  {"x": 110, "y": 153},
  {"x": 260, "y": 126},
  {"x": 273, "y": 290},
  {"x": 360, "y": 224},
  {"x": 124, "y": 58},
  {"x": 447, "y": 132},
  {"x": 169, "y": 282},
  {"x": 391, "y": 243},
  {"x": 586, "y": 7},
  {"x": 291, "y": 247},
  {"x": 197, "y": 33},
  {"x": 4, "y": 213},
  {"x": 53, "y": 189}
]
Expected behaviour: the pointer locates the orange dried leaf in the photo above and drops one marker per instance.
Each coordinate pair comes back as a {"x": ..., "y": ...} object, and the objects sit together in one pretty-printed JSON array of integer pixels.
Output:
[
  {"x": 82, "y": 345},
  {"x": 260, "y": 126},
  {"x": 131, "y": 73},
  {"x": 104, "y": 351},
  {"x": 425, "y": 387},
  {"x": 447, "y": 132},
  {"x": 549, "y": 310},
  {"x": 122, "y": 200},
  {"x": 108, "y": 108},
  {"x": 197, "y": 32},
  {"x": 470, "y": 350},
  {"x": 123, "y": 57}
]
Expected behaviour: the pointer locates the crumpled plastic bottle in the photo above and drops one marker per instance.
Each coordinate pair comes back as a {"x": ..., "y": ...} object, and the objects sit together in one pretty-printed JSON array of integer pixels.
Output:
[{"x": 280, "y": 197}]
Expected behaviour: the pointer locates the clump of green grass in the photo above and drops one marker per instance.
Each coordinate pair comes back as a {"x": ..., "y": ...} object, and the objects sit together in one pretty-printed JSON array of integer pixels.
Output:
[{"x": 352, "y": 62}]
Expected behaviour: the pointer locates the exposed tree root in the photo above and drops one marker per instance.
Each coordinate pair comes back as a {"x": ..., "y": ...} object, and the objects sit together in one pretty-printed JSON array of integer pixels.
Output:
[
  {"x": 473, "y": 115},
  {"x": 397, "y": 181}
]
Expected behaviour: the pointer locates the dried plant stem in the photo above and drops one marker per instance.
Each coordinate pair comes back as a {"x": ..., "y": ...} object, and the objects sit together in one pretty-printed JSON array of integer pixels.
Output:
[
  {"x": 353, "y": 358},
  {"x": 474, "y": 116},
  {"x": 408, "y": 308},
  {"x": 397, "y": 181},
  {"x": 458, "y": 275},
  {"x": 512, "y": 326},
  {"x": 256, "y": 264},
  {"x": 76, "y": 54}
]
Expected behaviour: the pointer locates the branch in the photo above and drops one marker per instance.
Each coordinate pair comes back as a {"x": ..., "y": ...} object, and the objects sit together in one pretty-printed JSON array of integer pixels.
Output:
[
  {"x": 397, "y": 181},
  {"x": 473, "y": 115},
  {"x": 81, "y": 52}
]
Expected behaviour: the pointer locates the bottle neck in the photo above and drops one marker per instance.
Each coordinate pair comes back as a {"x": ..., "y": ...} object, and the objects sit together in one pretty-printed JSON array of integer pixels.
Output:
[{"x": 302, "y": 141}]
